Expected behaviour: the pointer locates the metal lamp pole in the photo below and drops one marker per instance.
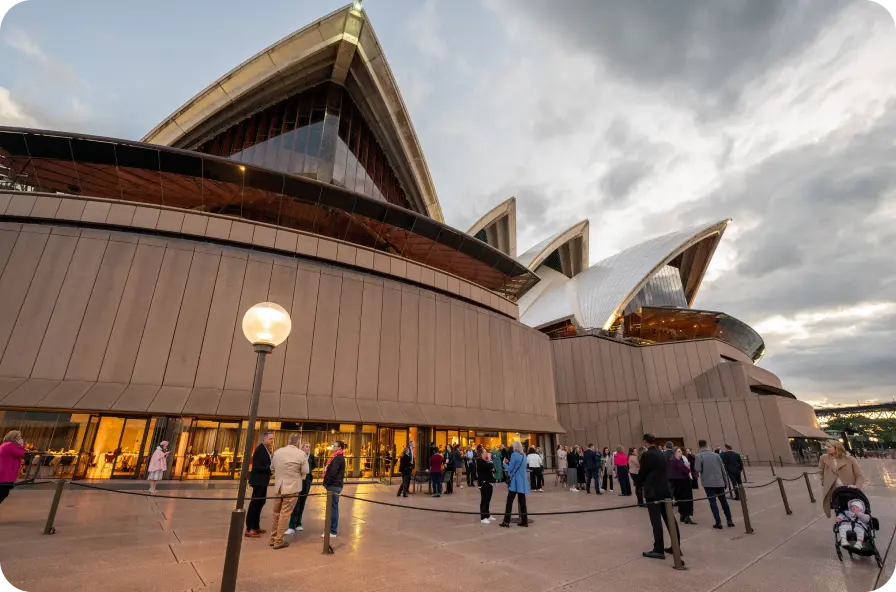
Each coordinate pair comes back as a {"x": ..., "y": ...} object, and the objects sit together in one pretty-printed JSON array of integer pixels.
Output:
[{"x": 266, "y": 325}]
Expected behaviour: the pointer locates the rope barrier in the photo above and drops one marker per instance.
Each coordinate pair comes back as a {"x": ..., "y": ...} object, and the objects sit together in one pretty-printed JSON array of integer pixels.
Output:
[
  {"x": 32, "y": 482},
  {"x": 760, "y": 486},
  {"x": 436, "y": 510},
  {"x": 186, "y": 497}
]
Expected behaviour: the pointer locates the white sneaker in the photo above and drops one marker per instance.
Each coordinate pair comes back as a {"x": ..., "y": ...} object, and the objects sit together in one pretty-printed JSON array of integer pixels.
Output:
[
  {"x": 290, "y": 531},
  {"x": 573, "y": 489},
  {"x": 299, "y": 528},
  {"x": 332, "y": 536},
  {"x": 491, "y": 519},
  {"x": 484, "y": 521}
]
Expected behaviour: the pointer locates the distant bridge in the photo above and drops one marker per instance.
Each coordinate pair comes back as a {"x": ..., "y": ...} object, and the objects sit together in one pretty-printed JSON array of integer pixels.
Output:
[{"x": 874, "y": 411}]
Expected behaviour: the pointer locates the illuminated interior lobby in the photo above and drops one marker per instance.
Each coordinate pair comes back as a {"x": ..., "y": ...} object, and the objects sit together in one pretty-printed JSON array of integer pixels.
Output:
[{"x": 298, "y": 178}]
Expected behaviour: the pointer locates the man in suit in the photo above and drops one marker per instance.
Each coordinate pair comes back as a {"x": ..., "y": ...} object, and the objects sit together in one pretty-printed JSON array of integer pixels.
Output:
[
  {"x": 734, "y": 466},
  {"x": 290, "y": 465},
  {"x": 406, "y": 468},
  {"x": 592, "y": 469},
  {"x": 712, "y": 474},
  {"x": 259, "y": 478},
  {"x": 655, "y": 482}
]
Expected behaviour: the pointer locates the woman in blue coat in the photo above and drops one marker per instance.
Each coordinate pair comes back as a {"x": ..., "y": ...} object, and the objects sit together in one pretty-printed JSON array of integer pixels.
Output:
[{"x": 517, "y": 469}]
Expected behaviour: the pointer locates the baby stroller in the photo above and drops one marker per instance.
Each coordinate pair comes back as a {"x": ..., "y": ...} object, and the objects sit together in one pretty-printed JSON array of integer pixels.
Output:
[{"x": 840, "y": 498}]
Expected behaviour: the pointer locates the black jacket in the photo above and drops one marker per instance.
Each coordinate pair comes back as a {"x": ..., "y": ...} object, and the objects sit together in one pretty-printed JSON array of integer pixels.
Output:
[
  {"x": 732, "y": 461},
  {"x": 572, "y": 460},
  {"x": 485, "y": 471},
  {"x": 334, "y": 476},
  {"x": 592, "y": 460},
  {"x": 406, "y": 463},
  {"x": 260, "y": 475},
  {"x": 655, "y": 475}
]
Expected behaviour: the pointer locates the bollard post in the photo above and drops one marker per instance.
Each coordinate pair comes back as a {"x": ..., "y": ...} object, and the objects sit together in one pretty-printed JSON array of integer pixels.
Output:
[
  {"x": 784, "y": 496},
  {"x": 743, "y": 471},
  {"x": 771, "y": 463},
  {"x": 809, "y": 487},
  {"x": 328, "y": 512},
  {"x": 780, "y": 461},
  {"x": 742, "y": 494},
  {"x": 673, "y": 534},
  {"x": 51, "y": 518},
  {"x": 748, "y": 462}
]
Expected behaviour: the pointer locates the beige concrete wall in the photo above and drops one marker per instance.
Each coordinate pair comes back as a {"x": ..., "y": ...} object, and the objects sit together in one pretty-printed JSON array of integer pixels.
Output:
[
  {"x": 610, "y": 393},
  {"x": 126, "y": 322},
  {"x": 199, "y": 225}
]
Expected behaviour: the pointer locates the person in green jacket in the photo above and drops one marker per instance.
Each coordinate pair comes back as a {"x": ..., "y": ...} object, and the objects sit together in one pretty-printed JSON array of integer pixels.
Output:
[{"x": 497, "y": 462}]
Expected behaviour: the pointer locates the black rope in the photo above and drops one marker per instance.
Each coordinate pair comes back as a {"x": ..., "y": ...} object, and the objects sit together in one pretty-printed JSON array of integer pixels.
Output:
[
  {"x": 675, "y": 503},
  {"x": 760, "y": 486},
  {"x": 32, "y": 482},
  {"x": 185, "y": 497}
]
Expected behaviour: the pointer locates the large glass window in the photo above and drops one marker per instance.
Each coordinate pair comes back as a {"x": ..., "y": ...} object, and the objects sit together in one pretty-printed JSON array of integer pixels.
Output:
[
  {"x": 660, "y": 325},
  {"x": 318, "y": 133},
  {"x": 663, "y": 289},
  {"x": 52, "y": 441}
]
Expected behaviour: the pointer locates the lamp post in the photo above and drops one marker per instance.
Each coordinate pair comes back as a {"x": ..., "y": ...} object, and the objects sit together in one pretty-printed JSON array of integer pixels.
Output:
[{"x": 265, "y": 325}]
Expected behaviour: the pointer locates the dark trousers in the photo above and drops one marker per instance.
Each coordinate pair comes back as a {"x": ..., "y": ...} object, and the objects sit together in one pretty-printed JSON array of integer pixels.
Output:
[
  {"x": 509, "y": 507},
  {"x": 539, "y": 477},
  {"x": 437, "y": 483},
  {"x": 714, "y": 493},
  {"x": 405, "y": 486},
  {"x": 471, "y": 473},
  {"x": 639, "y": 489},
  {"x": 485, "y": 498},
  {"x": 658, "y": 516},
  {"x": 684, "y": 496},
  {"x": 449, "y": 481},
  {"x": 295, "y": 519},
  {"x": 608, "y": 478},
  {"x": 589, "y": 475},
  {"x": 253, "y": 514},
  {"x": 735, "y": 481},
  {"x": 625, "y": 486},
  {"x": 5, "y": 488}
]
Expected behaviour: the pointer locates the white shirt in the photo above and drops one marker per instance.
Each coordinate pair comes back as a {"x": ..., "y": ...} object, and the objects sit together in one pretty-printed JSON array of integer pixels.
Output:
[{"x": 534, "y": 461}]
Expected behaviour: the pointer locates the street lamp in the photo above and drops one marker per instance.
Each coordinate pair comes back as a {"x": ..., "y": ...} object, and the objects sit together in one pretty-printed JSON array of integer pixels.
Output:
[{"x": 266, "y": 325}]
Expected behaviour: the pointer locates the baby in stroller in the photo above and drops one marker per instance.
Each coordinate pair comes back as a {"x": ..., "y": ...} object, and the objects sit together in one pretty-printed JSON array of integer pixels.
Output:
[{"x": 853, "y": 524}]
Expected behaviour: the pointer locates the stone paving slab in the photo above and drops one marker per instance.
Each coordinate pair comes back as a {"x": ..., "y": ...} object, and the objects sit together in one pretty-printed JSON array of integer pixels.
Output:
[{"x": 110, "y": 541}]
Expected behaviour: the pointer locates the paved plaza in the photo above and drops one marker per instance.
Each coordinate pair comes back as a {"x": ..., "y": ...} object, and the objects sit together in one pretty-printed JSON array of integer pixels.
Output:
[{"x": 109, "y": 541}]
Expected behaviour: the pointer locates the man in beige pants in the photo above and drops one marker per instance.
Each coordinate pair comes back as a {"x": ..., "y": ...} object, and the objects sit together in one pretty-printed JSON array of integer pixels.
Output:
[{"x": 290, "y": 465}]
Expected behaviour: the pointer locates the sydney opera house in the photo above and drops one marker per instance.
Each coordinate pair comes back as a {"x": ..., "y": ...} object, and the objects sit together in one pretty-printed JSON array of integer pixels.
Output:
[{"x": 297, "y": 178}]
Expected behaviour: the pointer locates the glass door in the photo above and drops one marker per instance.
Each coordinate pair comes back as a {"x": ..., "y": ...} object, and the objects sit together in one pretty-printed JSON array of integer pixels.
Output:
[
  {"x": 400, "y": 442},
  {"x": 130, "y": 449},
  {"x": 117, "y": 448},
  {"x": 226, "y": 459},
  {"x": 384, "y": 453}
]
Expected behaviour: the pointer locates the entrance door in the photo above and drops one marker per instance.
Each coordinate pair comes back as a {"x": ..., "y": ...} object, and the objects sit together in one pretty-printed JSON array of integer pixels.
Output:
[{"x": 118, "y": 448}]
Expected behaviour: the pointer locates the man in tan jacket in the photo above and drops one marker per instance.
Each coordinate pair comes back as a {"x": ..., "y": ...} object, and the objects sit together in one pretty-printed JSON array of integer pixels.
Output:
[{"x": 290, "y": 465}]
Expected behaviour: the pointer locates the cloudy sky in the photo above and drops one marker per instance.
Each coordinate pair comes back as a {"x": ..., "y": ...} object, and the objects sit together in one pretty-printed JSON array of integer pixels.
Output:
[{"x": 643, "y": 116}]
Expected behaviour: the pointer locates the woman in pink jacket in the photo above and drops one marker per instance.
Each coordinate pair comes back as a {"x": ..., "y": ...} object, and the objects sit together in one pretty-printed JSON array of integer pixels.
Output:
[
  {"x": 158, "y": 464},
  {"x": 11, "y": 453}
]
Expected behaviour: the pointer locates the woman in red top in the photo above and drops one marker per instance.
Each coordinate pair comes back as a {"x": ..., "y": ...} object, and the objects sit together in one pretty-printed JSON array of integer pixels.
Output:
[
  {"x": 620, "y": 460},
  {"x": 435, "y": 470},
  {"x": 11, "y": 453}
]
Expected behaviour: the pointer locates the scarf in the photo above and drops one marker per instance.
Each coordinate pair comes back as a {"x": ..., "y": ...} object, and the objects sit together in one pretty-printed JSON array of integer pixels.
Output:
[{"x": 335, "y": 454}]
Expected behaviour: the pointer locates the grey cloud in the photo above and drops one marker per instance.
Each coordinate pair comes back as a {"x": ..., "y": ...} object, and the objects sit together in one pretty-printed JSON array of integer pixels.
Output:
[
  {"x": 703, "y": 50},
  {"x": 624, "y": 177},
  {"x": 812, "y": 238}
]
